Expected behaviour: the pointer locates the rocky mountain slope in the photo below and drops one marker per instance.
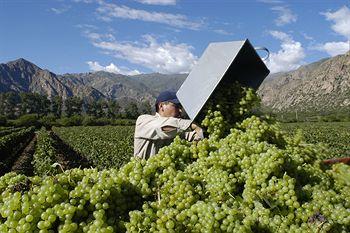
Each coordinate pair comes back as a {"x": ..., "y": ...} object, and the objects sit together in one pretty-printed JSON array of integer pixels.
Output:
[
  {"x": 317, "y": 87},
  {"x": 323, "y": 86},
  {"x": 23, "y": 76},
  {"x": 117, "y": 86}
]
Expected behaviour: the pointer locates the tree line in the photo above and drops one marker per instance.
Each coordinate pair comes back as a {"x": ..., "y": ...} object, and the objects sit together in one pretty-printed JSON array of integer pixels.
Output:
[{"x": 14, "y": 105}]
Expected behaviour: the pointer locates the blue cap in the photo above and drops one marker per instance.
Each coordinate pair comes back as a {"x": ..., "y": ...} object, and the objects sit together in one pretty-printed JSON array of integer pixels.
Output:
[{"x": 167, "y": 96}]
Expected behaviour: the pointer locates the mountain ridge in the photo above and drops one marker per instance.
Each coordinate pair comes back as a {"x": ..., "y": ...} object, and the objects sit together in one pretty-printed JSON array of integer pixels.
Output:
[
  {"x": 23, "y": 76},
  {"x": 320, "y": 86}
]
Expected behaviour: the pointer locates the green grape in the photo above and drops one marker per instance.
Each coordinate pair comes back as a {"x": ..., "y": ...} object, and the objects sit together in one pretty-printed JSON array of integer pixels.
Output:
[{"x": 247, "y": 176}]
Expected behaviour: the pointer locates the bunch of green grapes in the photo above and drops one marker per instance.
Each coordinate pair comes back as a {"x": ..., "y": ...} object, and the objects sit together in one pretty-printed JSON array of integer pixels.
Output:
[
  {"x": 248, "y": 176},
  {"x": 254, "y": 179},
  {"x": 230, "y": 103},
  {"x": 74, "y": 201},
  {"x": 341, "y": 174}
]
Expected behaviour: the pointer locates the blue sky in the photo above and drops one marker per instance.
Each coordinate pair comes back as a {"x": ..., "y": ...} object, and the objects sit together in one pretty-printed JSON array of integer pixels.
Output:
[{"x": 167, "y": 36}]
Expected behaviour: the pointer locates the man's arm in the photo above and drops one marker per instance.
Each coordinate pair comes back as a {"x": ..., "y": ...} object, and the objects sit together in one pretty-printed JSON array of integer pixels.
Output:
[
  {"x": 156, "y": 128},
  {"x": 195, "y": 135}
]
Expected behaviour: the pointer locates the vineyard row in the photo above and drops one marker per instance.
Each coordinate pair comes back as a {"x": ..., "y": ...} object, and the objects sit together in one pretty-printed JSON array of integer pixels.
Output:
[{"x": 51, "y": 152}]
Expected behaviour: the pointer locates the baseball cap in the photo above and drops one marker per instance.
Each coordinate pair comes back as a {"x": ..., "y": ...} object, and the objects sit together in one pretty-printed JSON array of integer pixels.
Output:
[{"x": 167, "y": 96}]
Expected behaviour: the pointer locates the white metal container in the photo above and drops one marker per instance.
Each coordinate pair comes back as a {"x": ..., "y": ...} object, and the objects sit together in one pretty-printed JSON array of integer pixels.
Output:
[{"x": 229, "y": 61}]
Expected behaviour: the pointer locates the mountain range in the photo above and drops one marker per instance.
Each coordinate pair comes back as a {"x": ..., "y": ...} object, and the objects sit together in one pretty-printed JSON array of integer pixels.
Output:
[
  {"x": 23, "y": 76},
  {"x": 320, "y": 86},
  {"x": 323, "y": 86}
]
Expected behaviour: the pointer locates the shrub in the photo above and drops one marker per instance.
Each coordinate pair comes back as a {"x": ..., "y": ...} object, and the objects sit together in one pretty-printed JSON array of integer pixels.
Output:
[
  {"x": 88, "y": 121},
  {"x": 27, "y": 120},
  {"x": 103, "y": 121},
  {"x": 3, "y": 120},
  {"x": 48, "y": 121},
  {"x": 123, "y": 122},
  {"x": 74, "y": 120}
]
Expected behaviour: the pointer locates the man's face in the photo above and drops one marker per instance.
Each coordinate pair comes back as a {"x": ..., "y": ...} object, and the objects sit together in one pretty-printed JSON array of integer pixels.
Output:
[{"x": 168, "y": 109}]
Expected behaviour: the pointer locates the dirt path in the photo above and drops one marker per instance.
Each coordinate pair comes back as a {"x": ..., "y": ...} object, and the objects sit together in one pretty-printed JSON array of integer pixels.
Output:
[
  {"x": 66, "y": 156},
  {"x": 23, "y": 164}
]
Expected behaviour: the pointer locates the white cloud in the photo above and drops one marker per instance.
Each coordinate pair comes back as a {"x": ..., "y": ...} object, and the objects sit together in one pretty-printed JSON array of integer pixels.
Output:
[
  {"x": 341, "y": 20},
  {"x": 289, "y": 57},
  {"x": 223, "y": 32},
  {"x": 95, "y": 66},
  {"x": 270, "y": 1},
  {"x": 109, "y": 11},
  {"x": 158, "y": 2},
  {"x": 306, "y": 36},
  {"x": 164, "y": 57},
  {"x": 285, "y": 15},
  {"x": 61, "y": 10},
  {"x": 341, "y": 25},
  {"x": 84, "y": 1},
  {"x": 93, "y": 36},
  {"x": 334, "y": 48}
]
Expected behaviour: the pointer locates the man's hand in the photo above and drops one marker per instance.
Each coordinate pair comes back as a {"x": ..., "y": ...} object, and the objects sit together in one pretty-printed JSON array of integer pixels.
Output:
[{"x": 199, "y": 132}]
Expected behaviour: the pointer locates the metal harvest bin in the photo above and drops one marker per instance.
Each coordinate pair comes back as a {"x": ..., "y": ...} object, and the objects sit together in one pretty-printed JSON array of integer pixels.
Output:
[{"x": 229, "y": 61}]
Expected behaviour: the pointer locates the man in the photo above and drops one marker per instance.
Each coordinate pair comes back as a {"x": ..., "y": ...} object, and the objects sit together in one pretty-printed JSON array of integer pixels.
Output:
[{"x": 152, "y": 132}]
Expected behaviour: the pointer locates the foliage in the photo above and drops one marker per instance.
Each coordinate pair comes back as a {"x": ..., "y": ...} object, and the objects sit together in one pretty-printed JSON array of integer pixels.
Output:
[
  {"x": 14, "y": 105},
  {"x": 8, "y": 104},
  {"x": 11, "y": 144},
  {"x": 131, "y": 111},
  {"x": 9, "y": 130},
  {"x": 336, "y": 135},
  {"x": 56, "y": 106},
  {"x": 48, "y": 121},
  {"x": 102, "y": 121},
  {"x": 27, "y": 120},
  {"x": 70, "y": 121},
  {"x": 45, "y": 155},
  {"x": 3, "y": 120},
  {"x": 127, "y": 122},
  {"x": 52, "y": 156},
  {"x": 73, "y": 106},
  {"x": 33, "y": 103},
  {"x": 113, "y": 109},
  {"x": 89, "y": 121},
  {"x": 308, "y": 116},
  {"x": 104, "y": 147},
  {"x": 146, "y": 108}
]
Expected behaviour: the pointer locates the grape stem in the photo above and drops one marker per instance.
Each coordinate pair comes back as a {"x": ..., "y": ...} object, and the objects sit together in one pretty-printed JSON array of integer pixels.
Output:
[
  {"x": 158, "y": 195},
  {"x": 58, "y": 164},
  {"x": 231, "y": 195},
  {"x": 319, "y": 227}
]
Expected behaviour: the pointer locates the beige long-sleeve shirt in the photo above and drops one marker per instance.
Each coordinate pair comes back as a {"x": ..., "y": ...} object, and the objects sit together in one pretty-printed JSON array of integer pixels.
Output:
[{"x": 149, "y": 136}]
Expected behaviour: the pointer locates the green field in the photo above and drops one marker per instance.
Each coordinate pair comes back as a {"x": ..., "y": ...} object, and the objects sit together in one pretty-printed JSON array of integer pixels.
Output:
[
  {"x": 103, "y": 146},
  {"x": 112, "y": 146},
  {"x": 336, "y": 135}
]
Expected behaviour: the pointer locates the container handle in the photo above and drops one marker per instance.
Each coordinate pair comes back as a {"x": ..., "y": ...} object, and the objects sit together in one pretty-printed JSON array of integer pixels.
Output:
[{"x": 266, "y": 50}]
